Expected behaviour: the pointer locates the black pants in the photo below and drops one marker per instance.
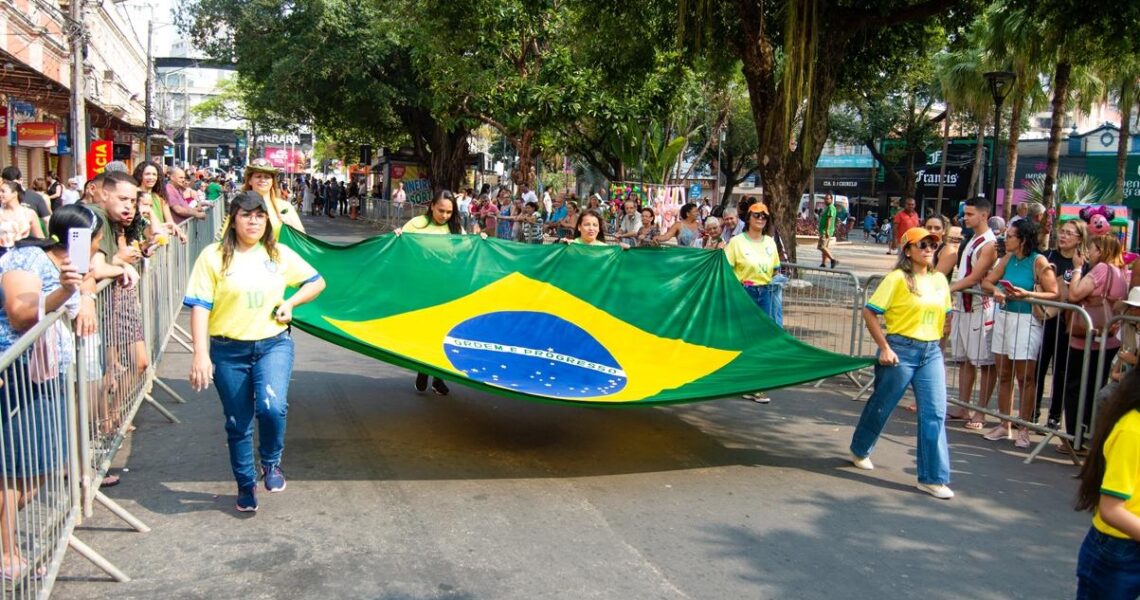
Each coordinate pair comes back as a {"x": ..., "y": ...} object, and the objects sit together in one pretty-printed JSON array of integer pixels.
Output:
[
  {"x": 1054, "y": 349},
  {"x": 1073, "y": 386}
]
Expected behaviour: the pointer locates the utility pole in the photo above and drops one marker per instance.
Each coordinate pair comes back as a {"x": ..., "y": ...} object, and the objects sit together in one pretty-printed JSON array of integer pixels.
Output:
[
  {"x": 149, "y": 84},
  {"x": 78, "y": 39}
]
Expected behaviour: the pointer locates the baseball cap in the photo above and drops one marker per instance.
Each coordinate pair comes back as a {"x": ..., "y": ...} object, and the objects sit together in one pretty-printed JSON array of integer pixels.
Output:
[
  {"x": 758, "y": 208},
  {"x": 249, "y": 200},
  {"x": 915, "y": 235}
]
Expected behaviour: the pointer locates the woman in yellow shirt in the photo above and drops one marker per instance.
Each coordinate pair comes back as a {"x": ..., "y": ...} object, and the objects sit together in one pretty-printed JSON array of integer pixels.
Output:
[
  {"x": 1109, "y": 562},
  {"x": 239, "y": 321},
  {"x": 913, "y": 299},
  {"x": 754, "y": 259},
  {"x": 441, "y": 218},
  {"x": 261, "y": 177}
]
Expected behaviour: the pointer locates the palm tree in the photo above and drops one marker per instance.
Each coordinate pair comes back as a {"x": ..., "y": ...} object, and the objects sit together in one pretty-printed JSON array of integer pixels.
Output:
[
  {"x": 960, "y": 74},
  {"x": 1014, "y": 40},
  {"x": 1122, "y": 76}
]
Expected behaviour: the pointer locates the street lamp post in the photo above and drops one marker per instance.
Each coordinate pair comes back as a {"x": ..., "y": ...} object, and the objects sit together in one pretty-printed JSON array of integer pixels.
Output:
[{"x": 1001, "y": 84}]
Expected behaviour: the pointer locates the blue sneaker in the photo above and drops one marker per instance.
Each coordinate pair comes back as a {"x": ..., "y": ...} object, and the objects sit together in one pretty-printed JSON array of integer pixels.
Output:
[
  {"x": 274, "y": 478},
  {"x": 247, "y": 499}
]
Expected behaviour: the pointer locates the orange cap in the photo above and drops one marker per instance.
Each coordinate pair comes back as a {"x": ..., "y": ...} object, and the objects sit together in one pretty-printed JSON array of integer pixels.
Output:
[{"x": 915, "y": 235}]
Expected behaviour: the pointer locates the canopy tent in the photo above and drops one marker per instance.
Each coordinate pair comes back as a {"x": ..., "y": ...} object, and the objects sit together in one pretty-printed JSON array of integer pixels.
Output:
[{"x": 565, "y": 324}]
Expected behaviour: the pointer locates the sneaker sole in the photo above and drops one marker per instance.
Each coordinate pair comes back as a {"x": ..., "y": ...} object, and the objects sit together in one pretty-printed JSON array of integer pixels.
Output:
[
  {"x": 275, "y": 490},
  {"x": 245, "y": 508}
]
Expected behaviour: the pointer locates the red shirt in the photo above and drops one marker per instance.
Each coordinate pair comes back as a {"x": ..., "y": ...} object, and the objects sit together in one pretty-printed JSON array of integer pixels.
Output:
[{"x": 903, "y": 222}]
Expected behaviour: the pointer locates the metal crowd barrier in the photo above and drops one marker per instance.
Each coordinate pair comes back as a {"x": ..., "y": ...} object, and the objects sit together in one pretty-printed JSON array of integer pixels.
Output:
[
  {"x": 39, "y": 498},
  {"x": 385, "y": 214},
  {"x": 1059, "y": 377},
  {"x": 68, "y": 404},
  {"x": 822, "y": 308}
]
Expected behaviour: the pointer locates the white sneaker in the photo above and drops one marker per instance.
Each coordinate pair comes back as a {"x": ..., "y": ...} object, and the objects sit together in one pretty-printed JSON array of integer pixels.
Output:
[
  {"x": 862, "y": 463},
  {"x": 938, "y": 490}
]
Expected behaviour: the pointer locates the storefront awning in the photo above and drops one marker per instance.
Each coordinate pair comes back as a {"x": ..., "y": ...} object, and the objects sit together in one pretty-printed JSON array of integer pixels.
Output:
[{"x": 22, "y": 82}]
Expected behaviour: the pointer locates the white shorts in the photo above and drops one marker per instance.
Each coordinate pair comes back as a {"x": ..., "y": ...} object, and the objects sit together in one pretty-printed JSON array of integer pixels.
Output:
[
  {"x": 971, "y": 336},
  {"x": 1017, "y": 335}
]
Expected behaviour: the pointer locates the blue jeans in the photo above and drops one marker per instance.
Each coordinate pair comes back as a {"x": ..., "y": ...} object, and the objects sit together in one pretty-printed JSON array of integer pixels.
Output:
[
  {"x": 1108, "y": 568},
  {"x": 770, "y": 299},
  {"x": 920, "y": 367},
  {"x": 253, "y": 380}
]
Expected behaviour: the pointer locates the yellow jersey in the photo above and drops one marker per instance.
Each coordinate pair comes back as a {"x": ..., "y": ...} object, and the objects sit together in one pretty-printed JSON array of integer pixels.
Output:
[
  {"x": 753, "y": 262},
  {"x": 1122, "y": 469},
  {"x": 918, "y": 316},
  {"x": 422, "y": 224},
  {"x": 243, "y": 298}
]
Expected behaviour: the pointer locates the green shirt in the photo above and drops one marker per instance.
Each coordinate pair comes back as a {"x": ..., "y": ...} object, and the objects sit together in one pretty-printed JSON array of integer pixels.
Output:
[
  {"x": 827, "y": 220},
  {"x": 213, "y": 191}
]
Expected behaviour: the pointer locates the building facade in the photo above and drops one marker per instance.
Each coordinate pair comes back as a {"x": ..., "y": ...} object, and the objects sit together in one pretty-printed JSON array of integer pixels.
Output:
[{"x": 35, "y": 77}]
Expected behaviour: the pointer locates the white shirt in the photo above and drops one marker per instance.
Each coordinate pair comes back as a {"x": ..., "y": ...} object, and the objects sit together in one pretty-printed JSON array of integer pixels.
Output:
[
  {"x": 547, "y": 203},
  {"x": 69, "y": 196},
  {"x": 530, "y": 196},
  {"x": 400, "y": 197},
  {"x": 464, "y": 204}
]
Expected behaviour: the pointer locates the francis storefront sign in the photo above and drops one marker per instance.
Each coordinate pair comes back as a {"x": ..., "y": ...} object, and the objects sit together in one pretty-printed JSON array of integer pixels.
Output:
[{"x": 960, "y": 156}]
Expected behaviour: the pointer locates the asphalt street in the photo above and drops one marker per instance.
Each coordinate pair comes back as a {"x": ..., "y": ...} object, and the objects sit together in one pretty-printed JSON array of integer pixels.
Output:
[{"x": 394, "y": 494}]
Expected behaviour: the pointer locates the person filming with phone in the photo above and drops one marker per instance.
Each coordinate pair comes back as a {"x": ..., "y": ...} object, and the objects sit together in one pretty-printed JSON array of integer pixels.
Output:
[{"x": 1022, "y": 274}]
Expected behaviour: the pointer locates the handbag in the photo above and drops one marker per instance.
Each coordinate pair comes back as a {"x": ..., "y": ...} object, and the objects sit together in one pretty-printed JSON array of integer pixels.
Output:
[
  {"x": 1099, "y": 309},
  {"x": 1043, "y": 313}
]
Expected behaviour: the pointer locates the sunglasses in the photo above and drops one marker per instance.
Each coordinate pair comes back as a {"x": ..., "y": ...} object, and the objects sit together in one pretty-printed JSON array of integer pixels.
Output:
[
  {"x": 758, "y": 216},
  {"x": 954, "y": 240},
  {"x": 925, "y": 245}
]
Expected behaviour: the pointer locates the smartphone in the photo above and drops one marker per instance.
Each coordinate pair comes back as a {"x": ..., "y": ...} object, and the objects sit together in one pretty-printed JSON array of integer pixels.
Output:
[
  {"x": 79, "y": 249},
  {"x": 1007, "y": 285}
]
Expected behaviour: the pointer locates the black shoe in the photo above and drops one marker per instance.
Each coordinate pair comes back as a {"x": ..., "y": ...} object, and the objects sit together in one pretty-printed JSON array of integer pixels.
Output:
[
  {"x": 823, "y": 265},
  {"x": 421, "y": 382},
  {"x": 833, "y": 263},
  {"x": 439, "y": 387},
  {"x": 1054, "y": 424}
]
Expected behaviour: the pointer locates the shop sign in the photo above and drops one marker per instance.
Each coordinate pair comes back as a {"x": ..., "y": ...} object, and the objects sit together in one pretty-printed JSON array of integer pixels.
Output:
[
  {"x": 98, "y": 156},
  {"x": 18, "y": 112},
  {"x": 37, "y": 134}
]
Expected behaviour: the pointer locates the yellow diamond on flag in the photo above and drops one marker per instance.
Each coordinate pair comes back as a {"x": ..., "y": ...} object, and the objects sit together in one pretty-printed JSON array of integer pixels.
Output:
[{"x": 528, "y": 336}]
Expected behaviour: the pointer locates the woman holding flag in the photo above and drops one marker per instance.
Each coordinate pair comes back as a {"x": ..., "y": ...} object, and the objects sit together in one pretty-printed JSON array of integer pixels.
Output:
[{"x": 913, "y": 299}]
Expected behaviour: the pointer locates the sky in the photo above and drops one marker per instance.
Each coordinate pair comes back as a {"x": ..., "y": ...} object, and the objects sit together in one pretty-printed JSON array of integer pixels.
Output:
[{"x": 138, "y": 11}]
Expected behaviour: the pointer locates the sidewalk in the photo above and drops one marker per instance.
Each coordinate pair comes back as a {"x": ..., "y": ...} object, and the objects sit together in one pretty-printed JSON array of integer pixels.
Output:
[{"x": 398, "y": 495}]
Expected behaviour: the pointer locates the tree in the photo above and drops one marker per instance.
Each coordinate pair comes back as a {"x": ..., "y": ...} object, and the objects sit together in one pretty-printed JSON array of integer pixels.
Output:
[
  {"x": 960, "y": 73},
  {"x": 1078, "y": 33},
  {"x": 1016, "y": 41},
  {"x": 900, "y": 111},
  {"x": 1123, "y": 76},
  {"x": 797, "y": 55},
  {"x": 341, "y": 67}
]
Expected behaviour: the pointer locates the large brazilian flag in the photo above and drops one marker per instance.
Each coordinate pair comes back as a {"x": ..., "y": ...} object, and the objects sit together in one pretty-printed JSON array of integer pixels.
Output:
[{"x": 568, "y": 324}]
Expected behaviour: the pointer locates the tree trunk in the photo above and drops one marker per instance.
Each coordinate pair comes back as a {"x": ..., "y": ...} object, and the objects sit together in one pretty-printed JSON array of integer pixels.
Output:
[
  {"x": 1127, "y": 97},
  {"x": 1060, "y": 99},
  {"x": 525, "y": 171},
  {"x": 979, "y": 160},
  {"x": 945, "y": 151},
  {"x": 1011, "y": 152}
]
